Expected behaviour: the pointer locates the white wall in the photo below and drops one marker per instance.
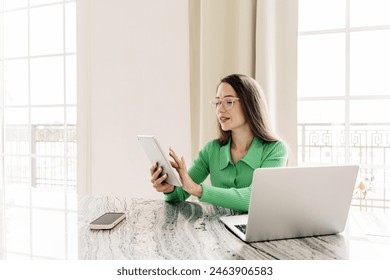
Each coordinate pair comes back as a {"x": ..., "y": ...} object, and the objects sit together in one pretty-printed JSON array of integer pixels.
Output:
[{"x": 133, "y": 78}]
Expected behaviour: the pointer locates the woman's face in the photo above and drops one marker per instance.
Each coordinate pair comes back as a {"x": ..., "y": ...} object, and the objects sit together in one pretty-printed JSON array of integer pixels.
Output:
[{"x": 229, "y": 119}]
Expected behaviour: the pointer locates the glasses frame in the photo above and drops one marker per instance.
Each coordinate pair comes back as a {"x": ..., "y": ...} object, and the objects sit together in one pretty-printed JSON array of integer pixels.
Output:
[{"x": 218, "y": 102}]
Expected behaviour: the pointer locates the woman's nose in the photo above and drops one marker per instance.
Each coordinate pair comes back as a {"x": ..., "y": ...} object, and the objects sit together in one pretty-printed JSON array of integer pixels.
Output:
[{"x": 221, "y": 108}]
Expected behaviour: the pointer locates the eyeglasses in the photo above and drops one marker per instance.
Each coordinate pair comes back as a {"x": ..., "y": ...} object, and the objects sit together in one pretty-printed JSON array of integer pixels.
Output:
[{"x": 227, "y": 102}]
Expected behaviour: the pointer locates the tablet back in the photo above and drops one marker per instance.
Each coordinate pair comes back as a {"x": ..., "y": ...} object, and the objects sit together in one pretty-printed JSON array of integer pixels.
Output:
[{"x": 155, "y": 154}]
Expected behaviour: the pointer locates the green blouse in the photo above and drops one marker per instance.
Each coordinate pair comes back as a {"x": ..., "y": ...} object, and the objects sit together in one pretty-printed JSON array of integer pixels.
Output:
[{"x": 230, "y": 183}]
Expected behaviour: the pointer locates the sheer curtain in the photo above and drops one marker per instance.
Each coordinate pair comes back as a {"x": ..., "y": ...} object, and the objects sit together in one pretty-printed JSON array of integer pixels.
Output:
[
  {"x": 276, "y": 65},
  {"x": 256, "y": 38}
]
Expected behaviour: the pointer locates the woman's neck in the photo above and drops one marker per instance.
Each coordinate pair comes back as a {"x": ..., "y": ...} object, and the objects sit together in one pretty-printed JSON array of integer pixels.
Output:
[{"x": 242, "y": 140}]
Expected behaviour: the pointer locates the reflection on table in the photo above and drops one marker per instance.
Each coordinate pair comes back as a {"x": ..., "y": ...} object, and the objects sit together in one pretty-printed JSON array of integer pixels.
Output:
[{"x": 38, "y": 223}]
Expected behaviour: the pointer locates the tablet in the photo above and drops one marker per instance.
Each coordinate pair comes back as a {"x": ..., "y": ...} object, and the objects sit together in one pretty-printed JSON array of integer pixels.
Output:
[{"x": 155, "y": 154}]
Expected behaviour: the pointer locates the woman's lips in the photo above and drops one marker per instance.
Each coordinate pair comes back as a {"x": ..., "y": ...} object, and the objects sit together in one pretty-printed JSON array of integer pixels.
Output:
[{"x": 223, "y": 119}]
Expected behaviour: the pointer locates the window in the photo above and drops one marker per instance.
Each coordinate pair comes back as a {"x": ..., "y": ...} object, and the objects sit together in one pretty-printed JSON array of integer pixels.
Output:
[
  {"x": 344, "y": 91},
  {"x": 38, "y": 125}
]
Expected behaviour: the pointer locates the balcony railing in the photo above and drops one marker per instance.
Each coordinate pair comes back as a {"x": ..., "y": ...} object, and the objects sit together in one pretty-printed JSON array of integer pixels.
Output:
[
  {"x": 365, "y": 144},
  {"x": 41, "y": 156}
]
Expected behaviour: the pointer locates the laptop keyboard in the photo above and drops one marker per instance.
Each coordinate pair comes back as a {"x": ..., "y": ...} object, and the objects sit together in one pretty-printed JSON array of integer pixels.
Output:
[{"x": 242, "y": 228}]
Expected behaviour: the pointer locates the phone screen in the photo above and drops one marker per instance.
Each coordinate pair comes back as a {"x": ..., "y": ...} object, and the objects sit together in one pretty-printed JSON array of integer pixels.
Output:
[{"x": 107, "y": 220}]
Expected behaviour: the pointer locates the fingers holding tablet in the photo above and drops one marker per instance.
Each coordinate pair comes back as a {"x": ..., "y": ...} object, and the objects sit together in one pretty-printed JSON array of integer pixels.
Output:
[{"x": 159, "y": 160}]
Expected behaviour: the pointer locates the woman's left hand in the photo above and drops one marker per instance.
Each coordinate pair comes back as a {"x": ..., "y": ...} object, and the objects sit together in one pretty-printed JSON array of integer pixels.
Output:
[{"x": 188, "y": 184}]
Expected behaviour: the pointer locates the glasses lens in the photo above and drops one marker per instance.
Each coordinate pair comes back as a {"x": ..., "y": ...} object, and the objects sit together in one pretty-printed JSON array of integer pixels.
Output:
[
  {"x": 228, "y": 103},
  {"x": 214, "y": 103}
]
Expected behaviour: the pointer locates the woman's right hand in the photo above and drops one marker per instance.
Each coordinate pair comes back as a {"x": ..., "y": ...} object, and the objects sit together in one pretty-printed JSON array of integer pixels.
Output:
[{"x": 157, "y": 180}]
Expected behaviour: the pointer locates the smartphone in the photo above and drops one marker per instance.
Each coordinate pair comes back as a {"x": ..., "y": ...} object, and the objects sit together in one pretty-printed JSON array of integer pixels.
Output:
[{"x": 107, "y": 220}]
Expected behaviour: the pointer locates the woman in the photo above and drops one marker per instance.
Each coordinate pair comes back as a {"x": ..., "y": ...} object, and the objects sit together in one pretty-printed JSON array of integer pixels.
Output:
[{"x": 245, "y": 143}]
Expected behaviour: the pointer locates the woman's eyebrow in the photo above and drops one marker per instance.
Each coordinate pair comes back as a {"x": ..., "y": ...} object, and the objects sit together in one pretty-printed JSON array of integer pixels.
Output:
[{"x": 225, "y": 96}]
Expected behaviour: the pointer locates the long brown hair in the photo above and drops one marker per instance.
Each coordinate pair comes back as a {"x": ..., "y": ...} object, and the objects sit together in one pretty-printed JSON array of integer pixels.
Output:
[{"x": 255, "y": 108}]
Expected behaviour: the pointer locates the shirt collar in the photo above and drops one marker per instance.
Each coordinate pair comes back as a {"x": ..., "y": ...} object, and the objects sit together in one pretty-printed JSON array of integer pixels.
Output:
[
  {"x": 252, "y": 157},
  {"x": 254, "y": 154},
  {"x": 224, "y": 155}
]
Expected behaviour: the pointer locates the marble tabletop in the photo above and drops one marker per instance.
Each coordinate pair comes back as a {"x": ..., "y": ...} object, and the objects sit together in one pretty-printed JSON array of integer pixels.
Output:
[
  {"x": 154, "y": 229},
  {"x": 53, "y": 224}
]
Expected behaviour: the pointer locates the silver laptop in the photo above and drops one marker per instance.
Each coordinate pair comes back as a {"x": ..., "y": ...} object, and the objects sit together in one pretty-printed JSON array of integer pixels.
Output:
[{"x": 296, "y": 202}]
